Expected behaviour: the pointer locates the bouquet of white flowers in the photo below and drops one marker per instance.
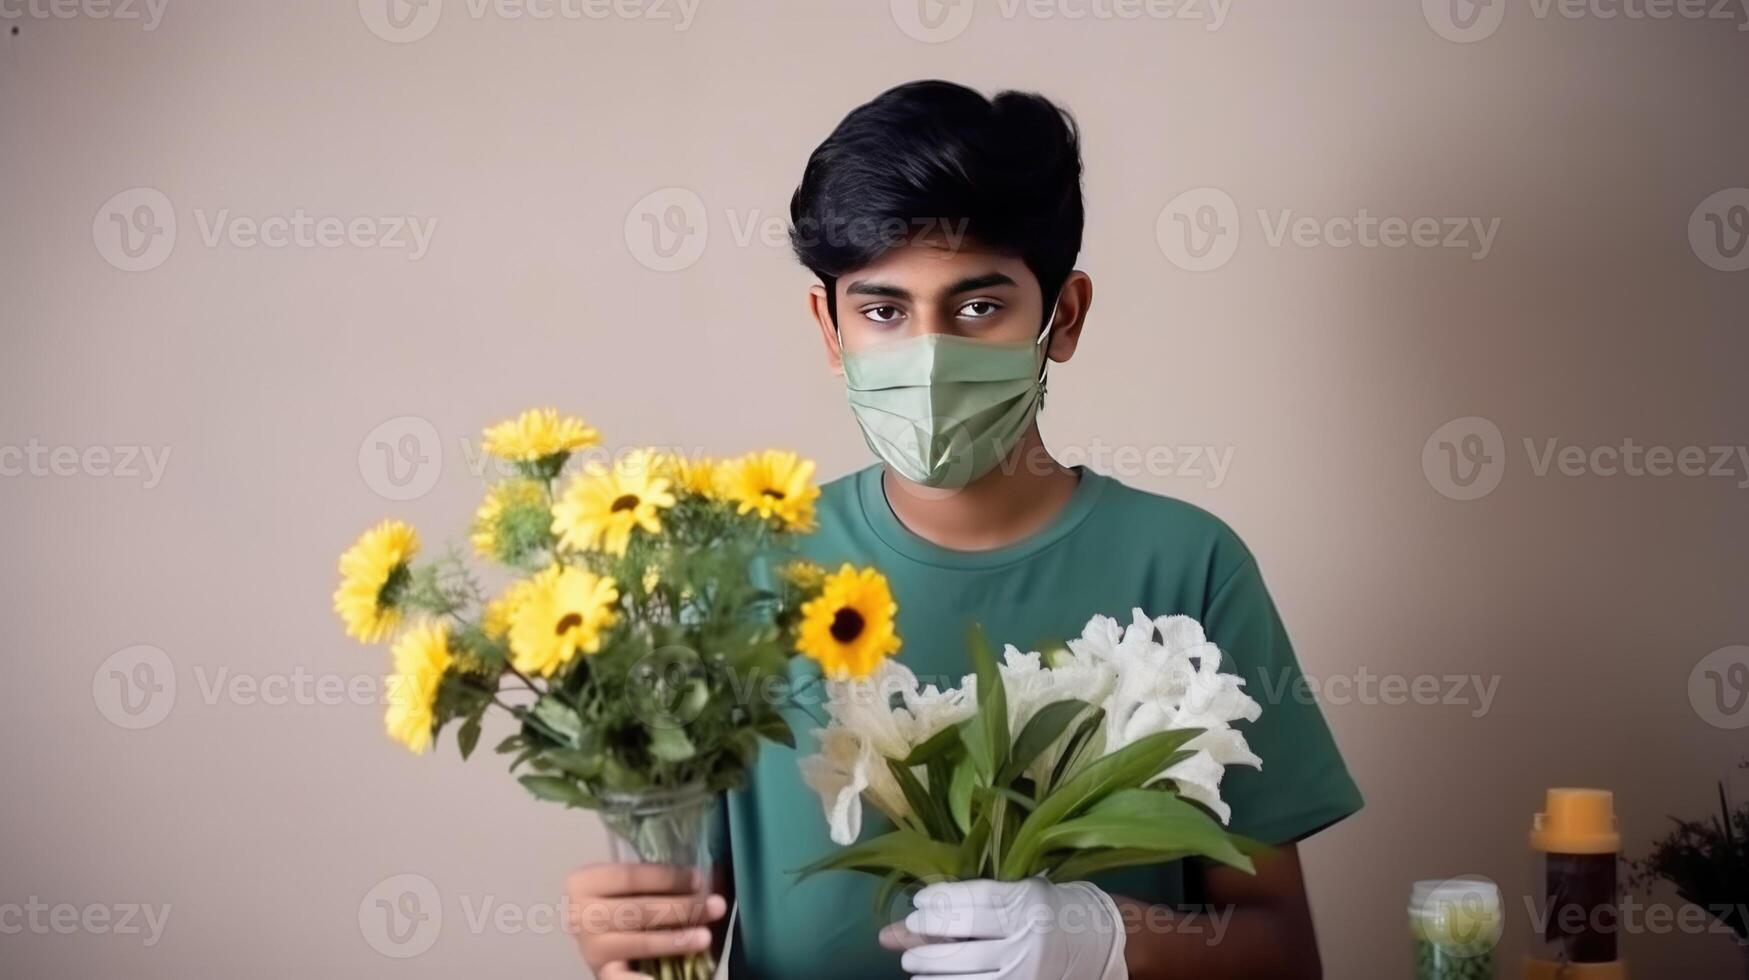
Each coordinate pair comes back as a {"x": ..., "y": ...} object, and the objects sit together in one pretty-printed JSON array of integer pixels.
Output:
[{"x": 1104, "y": 755}]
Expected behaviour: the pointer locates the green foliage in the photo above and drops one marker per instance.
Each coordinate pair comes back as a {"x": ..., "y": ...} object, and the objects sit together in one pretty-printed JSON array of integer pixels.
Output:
[
  {"x": 688, "y": 682},
  {"x": 1707, "y": 861},
  {"x": 975, "y": 812}
]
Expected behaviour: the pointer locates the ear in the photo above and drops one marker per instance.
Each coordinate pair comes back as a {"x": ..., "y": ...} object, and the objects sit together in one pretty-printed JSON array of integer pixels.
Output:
[
  {"x": 1073, "y": 302},
  {"x": 822, "y": 314}
]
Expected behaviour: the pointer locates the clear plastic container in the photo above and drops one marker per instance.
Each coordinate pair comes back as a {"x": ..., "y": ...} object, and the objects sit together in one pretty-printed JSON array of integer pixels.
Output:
[{"x": 1455, "y": 923}]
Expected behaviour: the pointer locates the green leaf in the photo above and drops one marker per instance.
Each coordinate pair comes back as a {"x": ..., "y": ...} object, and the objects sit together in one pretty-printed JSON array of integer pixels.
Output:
[
  {"x": 986, "y": 734},
  {"x": 904, "y": 851},
  {"x": 1038, "y": 736},
  {"x": 1149, "y": 820},
  {"x": 959, "y": 793},
  {"x": 671, "y": 744},
  {"x": 934, "y": 747},
  {"x": 1080, "y": 865},
  {"x": 510, "y": 744},
  {"x": 557, "y": 789},
  {"x": 583, "y": 765},
  {"x": 929, "y": 809},
  {"x": 1127, "y": 768},
  {"x": 557, "y": 719},
  {"x": 1074, "y": 748},
  {"x": 971, "y": 855},
  {"x": 1019, "y": 799},
  {"x": 468, "y": 736}
]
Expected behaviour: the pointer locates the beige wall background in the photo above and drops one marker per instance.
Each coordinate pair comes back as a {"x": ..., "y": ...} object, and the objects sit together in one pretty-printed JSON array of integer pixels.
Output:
[{"x": 601, "y": 195}]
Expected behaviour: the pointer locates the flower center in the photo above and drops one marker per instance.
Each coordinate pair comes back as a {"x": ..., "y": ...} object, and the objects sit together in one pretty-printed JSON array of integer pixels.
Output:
[
  {"x": 772, "y": 493},
  {"x": 847, "y": 625},
  {"x": 625, "y": 501},
  {"x": 570, "y": 622}
]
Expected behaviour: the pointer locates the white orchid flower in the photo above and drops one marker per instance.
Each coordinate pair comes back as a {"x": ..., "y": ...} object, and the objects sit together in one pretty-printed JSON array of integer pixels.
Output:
[{"x": 1153, "y": 675}]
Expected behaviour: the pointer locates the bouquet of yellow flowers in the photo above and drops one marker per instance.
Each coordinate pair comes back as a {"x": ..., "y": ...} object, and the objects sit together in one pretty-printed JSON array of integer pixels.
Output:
[{"x": 641, "y": 643}]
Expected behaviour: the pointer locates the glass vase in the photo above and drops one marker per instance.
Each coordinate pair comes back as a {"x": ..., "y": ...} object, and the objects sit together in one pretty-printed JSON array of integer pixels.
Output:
[{"x": 666, "y": 826}]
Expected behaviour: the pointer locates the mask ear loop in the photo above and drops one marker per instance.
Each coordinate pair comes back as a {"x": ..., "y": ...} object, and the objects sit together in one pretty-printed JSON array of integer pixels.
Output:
[{"x": 1045, "y": 358}]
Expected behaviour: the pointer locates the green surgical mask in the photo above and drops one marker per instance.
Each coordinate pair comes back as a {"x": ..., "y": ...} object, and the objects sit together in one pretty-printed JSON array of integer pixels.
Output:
[{"x": 944, "y": 410}]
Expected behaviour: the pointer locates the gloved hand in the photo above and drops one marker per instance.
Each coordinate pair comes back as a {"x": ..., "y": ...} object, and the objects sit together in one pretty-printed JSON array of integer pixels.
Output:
[{"x": 1012, "y": 930}]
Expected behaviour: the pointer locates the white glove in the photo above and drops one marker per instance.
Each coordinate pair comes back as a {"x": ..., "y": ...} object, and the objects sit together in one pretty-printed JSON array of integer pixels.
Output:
[{"x": 1016, "y": 930}]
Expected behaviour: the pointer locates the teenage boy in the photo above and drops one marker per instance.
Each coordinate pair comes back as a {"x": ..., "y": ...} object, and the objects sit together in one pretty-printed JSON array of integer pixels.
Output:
[{"x": 943, "y": 227}]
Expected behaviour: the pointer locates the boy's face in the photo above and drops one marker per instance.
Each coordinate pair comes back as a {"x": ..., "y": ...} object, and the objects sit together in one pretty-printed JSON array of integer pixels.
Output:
[{"x": 930, "y": 287}]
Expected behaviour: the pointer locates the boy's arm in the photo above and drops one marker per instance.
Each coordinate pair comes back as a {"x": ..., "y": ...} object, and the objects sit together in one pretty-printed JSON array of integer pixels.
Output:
[{"x": 1252, "y": 927}]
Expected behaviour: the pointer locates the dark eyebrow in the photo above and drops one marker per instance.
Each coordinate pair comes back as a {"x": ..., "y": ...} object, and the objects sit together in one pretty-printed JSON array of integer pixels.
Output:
[
  {"x": 979, "y": 282},
  {"x": 864, "y": 288}
]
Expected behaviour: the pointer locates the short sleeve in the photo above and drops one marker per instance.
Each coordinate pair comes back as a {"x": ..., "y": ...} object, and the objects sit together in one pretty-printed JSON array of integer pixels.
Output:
[{"x": 1303, "y": 786}]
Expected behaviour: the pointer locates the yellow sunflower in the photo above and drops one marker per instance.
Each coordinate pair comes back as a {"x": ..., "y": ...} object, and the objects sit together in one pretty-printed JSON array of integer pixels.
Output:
[
  {"x": 563, "y": 614},
  {"x": 501, "y": 612},
  {"x": 697, "y": 476},
  {"x": 422, "y": 656},
  {"x": 371, "y": 572},
  {"x": 537, "y": 434},
  {"x": 848, "y": 628},
  {"x": 601, "y": 507},
  {"x": 507, "y": 498},
  {"x": 773, "y": 484}
]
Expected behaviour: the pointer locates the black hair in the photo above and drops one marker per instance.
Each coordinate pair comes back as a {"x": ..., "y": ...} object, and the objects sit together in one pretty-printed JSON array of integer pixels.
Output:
[{"x": 934, "y": 156}]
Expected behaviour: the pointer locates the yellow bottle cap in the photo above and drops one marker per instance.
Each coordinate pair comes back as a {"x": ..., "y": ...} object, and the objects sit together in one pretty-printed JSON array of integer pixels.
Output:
[
  {"x": 1547, "y": 970},
  {"x": 1577, "y": 821}
]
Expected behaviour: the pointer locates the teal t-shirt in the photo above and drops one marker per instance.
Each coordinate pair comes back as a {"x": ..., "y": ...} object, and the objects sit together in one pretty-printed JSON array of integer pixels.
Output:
[{"x": 1112, "y": 549}]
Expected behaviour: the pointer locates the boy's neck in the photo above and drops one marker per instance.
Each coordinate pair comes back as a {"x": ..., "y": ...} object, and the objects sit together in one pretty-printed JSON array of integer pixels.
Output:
[{"x": 1018, "y": 498}]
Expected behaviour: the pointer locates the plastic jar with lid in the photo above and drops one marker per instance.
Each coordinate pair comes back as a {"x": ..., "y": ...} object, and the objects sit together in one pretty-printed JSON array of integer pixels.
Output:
[{"x": 1455, "y": 924}]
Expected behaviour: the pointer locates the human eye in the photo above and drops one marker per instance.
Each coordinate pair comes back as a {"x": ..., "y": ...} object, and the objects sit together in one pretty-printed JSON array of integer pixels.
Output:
[
  {"x": 884, "y": 313},
  {"x": 979, "y": 309}
]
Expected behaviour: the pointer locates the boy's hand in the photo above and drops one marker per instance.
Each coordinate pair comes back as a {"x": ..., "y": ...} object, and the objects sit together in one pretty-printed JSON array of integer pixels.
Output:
[
  {"x": 621, "y": 913},
  {"x": 1012, "y": 930}
]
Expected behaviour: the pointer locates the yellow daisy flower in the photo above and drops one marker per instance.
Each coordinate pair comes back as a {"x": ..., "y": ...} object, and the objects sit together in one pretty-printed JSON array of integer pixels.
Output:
[
  {"x": 803, "y": 574},
  {"x": 696, "y": 476},
  {"x": 563, "y": 614},
  {"x": 500, "y": 613},
  {"x": 848, "y": 628},
  {"x": 370, "y": 572},
  {"x": 537, "y": 434},
  {"x": 773, "y": 484},
  {"x": 504, "y": 497},
  {"x": 601, "y": 507},
  {"x": 422, "y": 656}
]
